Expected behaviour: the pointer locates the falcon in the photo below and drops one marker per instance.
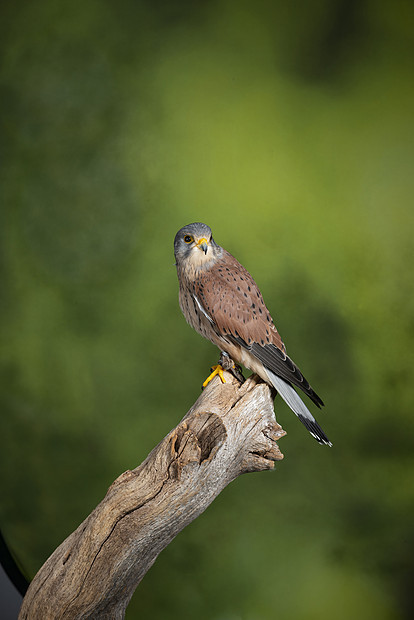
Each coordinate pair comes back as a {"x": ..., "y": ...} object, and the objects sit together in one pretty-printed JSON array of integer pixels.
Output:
[{"x": 222, "y": 302}]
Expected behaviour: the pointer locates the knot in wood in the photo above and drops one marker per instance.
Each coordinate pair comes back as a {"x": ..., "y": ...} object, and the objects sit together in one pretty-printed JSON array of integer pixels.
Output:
[{"x": 196, "y": 440}]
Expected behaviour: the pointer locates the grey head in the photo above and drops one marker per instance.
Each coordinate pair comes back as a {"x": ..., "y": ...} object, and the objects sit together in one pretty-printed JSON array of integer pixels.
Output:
[{"x": 194, "y": 244}]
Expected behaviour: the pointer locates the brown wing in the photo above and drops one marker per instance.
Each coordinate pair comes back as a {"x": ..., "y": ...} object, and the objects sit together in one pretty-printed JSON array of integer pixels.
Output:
[{"x": 232, "y": 299}]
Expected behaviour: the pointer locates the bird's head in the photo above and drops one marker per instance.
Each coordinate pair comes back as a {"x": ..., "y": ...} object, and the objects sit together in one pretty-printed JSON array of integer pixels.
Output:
[{"x": 194, "y": 246}]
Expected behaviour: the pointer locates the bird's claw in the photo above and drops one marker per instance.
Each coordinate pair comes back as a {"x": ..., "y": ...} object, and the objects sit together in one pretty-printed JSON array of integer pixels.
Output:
[
  {"x": 236, "y": 371},
  {"x": 227, "y": 363},
  {"x": 216, "y": 370}
]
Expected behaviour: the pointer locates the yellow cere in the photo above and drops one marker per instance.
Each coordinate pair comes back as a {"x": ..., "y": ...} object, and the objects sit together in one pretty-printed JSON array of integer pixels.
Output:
[{"x": 201, "y": 241}]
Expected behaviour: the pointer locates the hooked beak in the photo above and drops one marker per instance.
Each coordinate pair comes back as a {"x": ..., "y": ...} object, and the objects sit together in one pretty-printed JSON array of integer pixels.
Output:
[{"x": 202, "y": 245}]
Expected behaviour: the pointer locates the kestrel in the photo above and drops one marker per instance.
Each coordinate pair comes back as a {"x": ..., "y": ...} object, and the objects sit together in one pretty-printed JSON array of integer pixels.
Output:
[{"x": 221, "y": 301}]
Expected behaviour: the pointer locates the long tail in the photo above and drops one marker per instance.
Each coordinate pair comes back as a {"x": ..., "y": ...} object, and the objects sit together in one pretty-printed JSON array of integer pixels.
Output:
[{"x": 293, "y": 400}]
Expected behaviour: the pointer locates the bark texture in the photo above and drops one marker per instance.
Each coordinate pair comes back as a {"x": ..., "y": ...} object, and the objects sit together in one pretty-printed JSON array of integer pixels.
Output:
[{"x": 230, "y": 430}]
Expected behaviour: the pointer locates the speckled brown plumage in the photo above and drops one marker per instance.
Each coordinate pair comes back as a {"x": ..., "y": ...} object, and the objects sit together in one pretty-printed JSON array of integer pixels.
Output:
[
  {"x": 233, "y": 299},
  {"x": 220, "y": 300}
]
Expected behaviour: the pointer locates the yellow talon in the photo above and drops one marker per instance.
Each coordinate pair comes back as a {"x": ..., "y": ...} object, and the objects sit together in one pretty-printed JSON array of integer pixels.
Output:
[{"x": 217, "y": 370}]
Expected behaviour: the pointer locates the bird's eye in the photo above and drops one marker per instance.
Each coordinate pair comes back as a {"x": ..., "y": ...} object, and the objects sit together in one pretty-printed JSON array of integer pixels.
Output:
[{"x": 188, "y": 239}]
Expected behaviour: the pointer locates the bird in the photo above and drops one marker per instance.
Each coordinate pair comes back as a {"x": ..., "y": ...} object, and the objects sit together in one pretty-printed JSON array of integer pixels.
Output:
[{"x": 222, "y": 302}]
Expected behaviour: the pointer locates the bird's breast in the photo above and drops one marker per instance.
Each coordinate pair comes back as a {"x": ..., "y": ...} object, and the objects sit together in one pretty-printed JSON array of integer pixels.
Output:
[{"x": 193, "y": 313}]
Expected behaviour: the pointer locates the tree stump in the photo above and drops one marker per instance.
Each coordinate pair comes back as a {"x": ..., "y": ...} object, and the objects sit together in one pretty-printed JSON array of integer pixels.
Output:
[{"x": 230, "y": 430}]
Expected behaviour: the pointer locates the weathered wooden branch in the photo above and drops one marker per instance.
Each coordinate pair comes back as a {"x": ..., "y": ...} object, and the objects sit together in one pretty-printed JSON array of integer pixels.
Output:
[{"x": 230, "y": 430}]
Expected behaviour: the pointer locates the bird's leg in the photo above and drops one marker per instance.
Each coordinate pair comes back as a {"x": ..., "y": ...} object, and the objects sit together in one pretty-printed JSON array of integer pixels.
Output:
[
  {"x": 227, "y": 363},
  {"x": 216, "y": 370}
]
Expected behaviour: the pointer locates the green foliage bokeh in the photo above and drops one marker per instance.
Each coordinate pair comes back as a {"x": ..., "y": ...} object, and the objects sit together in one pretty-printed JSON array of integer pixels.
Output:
[{"x": 288, "y": 128}]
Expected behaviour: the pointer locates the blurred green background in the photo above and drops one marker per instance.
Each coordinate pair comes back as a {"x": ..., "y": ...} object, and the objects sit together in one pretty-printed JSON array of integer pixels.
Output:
[{"x": 288, "y": 128}]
